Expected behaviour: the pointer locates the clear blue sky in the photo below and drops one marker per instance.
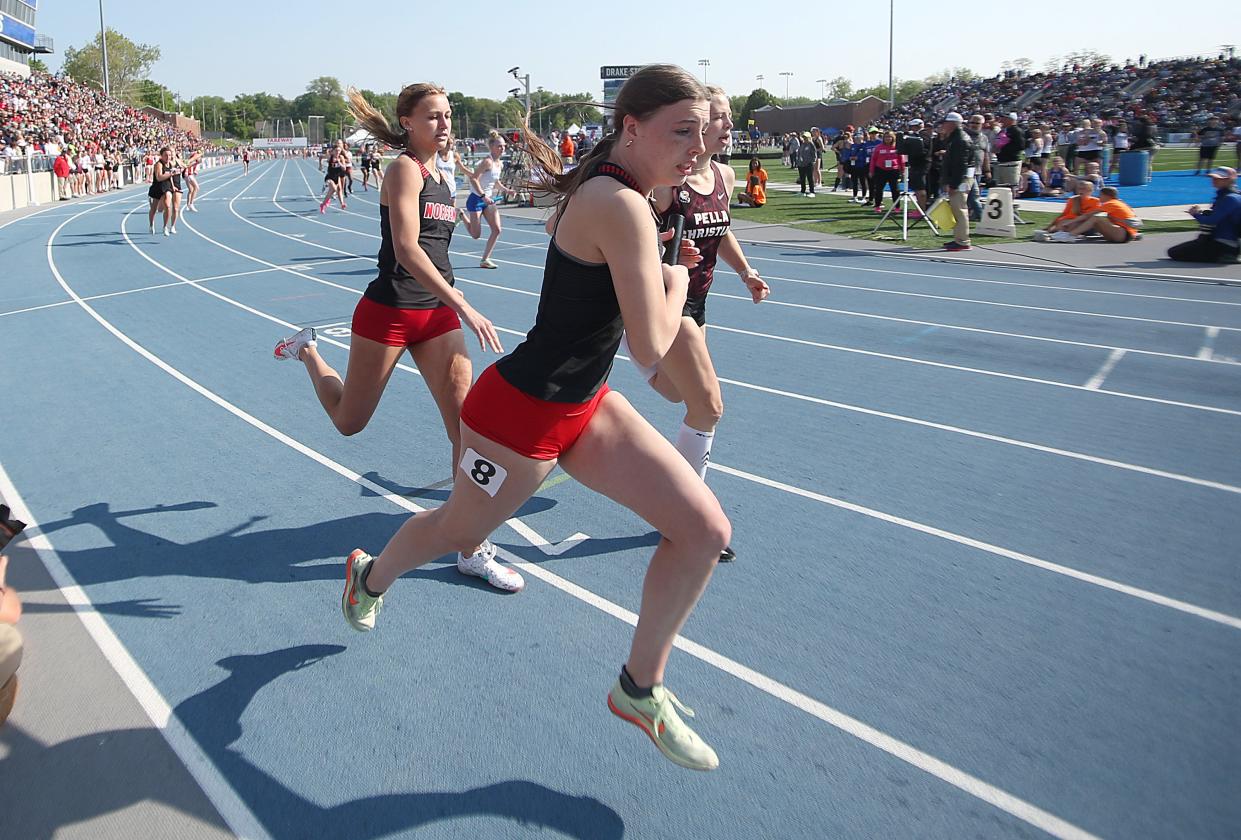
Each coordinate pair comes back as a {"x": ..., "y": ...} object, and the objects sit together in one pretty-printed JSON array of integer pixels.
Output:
[{"x": 244, "y": 47}]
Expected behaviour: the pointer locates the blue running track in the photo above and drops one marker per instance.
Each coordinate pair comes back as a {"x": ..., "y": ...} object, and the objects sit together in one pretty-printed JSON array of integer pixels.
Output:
[{"x": 987, "y": 522}]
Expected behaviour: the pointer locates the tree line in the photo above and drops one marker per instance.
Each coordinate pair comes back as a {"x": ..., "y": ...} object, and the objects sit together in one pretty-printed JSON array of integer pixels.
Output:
[{"x": 247, "y": 115}]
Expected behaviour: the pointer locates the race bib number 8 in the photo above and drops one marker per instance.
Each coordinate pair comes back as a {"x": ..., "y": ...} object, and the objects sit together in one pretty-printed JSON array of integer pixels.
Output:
[{"x": 486, "y": 474}]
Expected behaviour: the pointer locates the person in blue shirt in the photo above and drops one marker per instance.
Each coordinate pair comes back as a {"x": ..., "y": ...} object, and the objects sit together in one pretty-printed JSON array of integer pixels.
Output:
[
  {"x": 1219, "y": 236},
  {"x": 1031, "y": 184},
  {"x": 859, "y": 161}
]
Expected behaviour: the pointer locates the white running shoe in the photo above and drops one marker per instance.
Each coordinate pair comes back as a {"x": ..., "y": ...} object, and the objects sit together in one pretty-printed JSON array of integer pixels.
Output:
[
  {"x": 483, "y": 564},
  {"x": 487, "y": 264},
  {"x": 151, "y": 228},
  {"x": 291, "y": 347},
  {"x": 1041, "y": 236},
  {"x": 1063, "y": 236},
  {"x": 165, "y": 230},
  {"x": 811, "y": 195},
  {"x": 174, "y": 229}
]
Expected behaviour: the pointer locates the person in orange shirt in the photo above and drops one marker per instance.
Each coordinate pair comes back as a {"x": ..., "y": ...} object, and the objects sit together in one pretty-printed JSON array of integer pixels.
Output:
[
  {"x": 755, "y": 192},
  {"x": 1082, "y": 202},
  {"x": 1114, "y": 220},
  {"x": 567, "y": 148}
]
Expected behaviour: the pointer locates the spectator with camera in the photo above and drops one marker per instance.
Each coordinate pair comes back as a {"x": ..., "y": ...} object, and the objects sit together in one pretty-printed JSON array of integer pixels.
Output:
[{"x": 1219, "y": 228}]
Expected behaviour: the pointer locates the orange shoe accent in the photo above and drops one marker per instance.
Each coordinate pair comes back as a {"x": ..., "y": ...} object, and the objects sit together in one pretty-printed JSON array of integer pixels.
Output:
[{"x": 635, "y": 721}]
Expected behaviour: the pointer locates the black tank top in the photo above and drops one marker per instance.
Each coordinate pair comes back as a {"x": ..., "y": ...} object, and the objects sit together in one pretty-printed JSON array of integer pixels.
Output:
[
  {"x": 568, "y": 354},
  {"x": 395, "y": 286},
  {"x": 706, "y": 222}
]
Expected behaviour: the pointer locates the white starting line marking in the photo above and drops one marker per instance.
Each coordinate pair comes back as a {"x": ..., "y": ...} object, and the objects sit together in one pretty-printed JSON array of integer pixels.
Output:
[
  {"x": 1095, "y": 381},
  {"x": 1208, "y": 346}
]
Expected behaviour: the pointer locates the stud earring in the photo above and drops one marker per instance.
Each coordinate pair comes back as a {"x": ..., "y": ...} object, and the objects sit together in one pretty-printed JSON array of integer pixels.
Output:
[{"x": 628, "y": 144}]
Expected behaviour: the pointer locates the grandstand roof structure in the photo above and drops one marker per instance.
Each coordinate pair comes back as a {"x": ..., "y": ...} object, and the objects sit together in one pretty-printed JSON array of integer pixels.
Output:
[{"x": 776, "y": 119}]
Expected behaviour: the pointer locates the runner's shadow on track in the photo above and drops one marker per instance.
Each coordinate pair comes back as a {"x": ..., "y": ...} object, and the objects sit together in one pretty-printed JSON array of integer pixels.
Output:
[
  {"x": 439, "y": 493},
  {"x": 133, "y": 608},
  {"x": 76, "y": 780},
  {"x": 298, "y": 554}
]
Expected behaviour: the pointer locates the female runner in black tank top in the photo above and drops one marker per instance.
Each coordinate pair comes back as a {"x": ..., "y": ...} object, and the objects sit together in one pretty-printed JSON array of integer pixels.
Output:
[
  {"x": 160, "y": 190},
  {"x": 686, "y": 373},
  {"x": 548, "y": 401},
  {"x": 334, "y": 180},
  {"x": 412, "y": 305}
]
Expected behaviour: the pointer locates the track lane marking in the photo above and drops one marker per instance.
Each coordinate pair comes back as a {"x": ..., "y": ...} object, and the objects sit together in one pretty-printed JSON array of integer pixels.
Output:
[{"x": 969, "y": 784}]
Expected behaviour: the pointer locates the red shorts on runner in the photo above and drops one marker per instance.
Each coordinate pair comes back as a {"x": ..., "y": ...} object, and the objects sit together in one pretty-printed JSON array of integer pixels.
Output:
[
  {"x": 402, "y": 327},
  {"x": 529, "y": 426}
]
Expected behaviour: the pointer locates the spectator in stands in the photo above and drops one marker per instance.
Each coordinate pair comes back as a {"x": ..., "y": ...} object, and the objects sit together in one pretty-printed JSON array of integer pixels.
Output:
[
  {"x": 957, "y": 172},
  {"x": 1219, "y": 235},
  {"x": 567, "y": 148},
  {"x": 1112, "y": 219},
  {"x": 755, "y": 192},
  {"x": 1083, "y": 201},
  {"x": 10, "y": 642}
]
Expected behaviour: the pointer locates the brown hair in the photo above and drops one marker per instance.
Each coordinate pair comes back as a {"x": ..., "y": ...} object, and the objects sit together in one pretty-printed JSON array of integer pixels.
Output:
[
  {"x": 642, "y": 94},
  {"x": 1110, "y": 192},
  {"x": 716, "y": 90},
  {"x": 377, "y": 124}
]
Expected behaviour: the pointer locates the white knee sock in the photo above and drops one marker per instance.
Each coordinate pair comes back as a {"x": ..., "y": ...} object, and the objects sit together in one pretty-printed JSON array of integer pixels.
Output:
[{"x": 695, "y": 446}]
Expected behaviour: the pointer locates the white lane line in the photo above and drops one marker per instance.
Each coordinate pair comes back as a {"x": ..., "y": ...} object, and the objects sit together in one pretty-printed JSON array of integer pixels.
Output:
[
  {"x": 890, "y": 518},
  {"x": 240, "y": 819},
  {"x": 1029, "y": 560},
  {"x": 1207, "y": 350},
  {"x": 538, "y": 231},
  {"x": 979, "y": 371},
  {"x": 855, "y": 314},
  {"x": 1007, "y": 441},
  {"x": 981, "y": 302},
  {"x": 1093, "y": 383},
  {"x": 1121, "y": 394},
  {"x": 234, "y": 274},
  {"x": 771, "y": 302},
  {"x": 1151, "y": 471},
  {"x": 230, "y": 806},
  {"x": 975, "y": 787}
]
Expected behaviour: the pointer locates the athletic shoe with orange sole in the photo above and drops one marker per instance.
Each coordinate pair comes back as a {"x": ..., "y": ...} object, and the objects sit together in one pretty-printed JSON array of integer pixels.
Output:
[
  {"x": 358, "y": 607},
  {"x": 657, "y": 717}
]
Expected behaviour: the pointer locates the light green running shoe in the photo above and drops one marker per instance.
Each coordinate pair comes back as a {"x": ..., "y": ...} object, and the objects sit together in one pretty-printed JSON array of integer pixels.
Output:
[
  {"x": 657, "y": 717},
  {"x": 359, "y": 608}
]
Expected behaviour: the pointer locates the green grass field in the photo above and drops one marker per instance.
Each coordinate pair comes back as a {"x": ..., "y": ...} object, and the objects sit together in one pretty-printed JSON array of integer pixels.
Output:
[{"x": 831, "y": 213}]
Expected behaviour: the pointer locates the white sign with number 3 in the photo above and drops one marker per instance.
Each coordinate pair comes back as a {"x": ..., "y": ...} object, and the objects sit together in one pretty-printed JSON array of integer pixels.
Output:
[
  {"x": 997, "y": 214},
  {"x": 487, "y": 475}
]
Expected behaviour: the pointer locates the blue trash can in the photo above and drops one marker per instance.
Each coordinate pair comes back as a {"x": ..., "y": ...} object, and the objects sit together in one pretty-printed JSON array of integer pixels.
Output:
[{"x": 1135, "y": 168}]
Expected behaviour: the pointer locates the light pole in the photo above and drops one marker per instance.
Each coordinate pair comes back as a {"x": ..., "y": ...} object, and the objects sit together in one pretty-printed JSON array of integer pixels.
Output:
[
  {"x": 103, "y": 45},
  {"x": 891, "y": 40},
  {"x": 759, "y": 78},
  {"x": 823, "y": 89},
  {"x": 786, "y": 74},
  {"x": 704, "y": 63},
  {"x": 525, "y": 80},
  {"x": 540, "y": 111}
]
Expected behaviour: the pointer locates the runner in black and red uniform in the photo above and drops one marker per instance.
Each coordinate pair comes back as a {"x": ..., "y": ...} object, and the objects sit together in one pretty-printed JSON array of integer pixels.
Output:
[
  {"x": 412, "y": 305},
  {"x": 686, "y": 373},
  {"x": 548, "y": 402}
]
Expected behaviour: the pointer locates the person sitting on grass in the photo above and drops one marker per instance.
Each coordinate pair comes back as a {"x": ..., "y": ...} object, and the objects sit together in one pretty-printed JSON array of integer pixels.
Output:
[
  {"x": 1079, "y": 204},
  {"x": 755, "y": 192},
  {"x": 1031, "y": 184},
  {"x": 1057, "y": 179},
  {"x": 1219, "y": 236},
  {"x": 1113, "y": 220},
  {"x": 1092, "y": 175}
]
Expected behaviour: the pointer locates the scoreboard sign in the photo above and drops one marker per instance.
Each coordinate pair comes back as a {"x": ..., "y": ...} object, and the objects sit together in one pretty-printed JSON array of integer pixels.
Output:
[{"x": 618, "y": 71}]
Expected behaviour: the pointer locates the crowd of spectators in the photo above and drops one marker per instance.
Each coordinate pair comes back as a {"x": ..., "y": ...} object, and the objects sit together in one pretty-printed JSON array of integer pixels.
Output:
[
  {"x": 1178, "y": 94},
  {"x": 47, "y": 114}
]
